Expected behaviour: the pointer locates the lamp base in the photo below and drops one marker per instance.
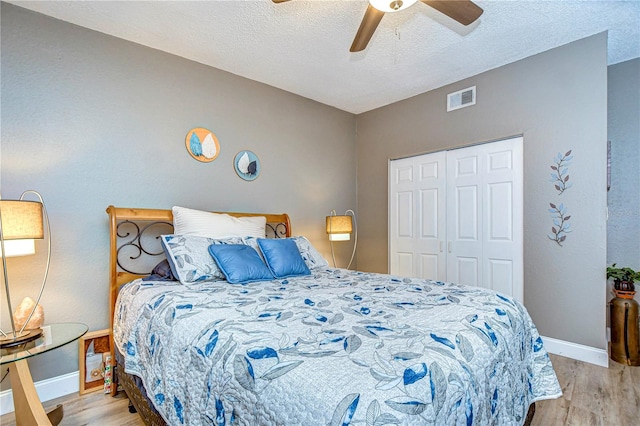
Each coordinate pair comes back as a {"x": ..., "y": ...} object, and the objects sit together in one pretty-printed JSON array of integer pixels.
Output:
[{"x": 26, "y": 336}]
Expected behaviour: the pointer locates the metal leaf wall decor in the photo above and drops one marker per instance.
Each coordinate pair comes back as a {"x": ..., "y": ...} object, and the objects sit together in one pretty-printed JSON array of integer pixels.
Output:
[
  {"x": 560, "y": 179},
  {"x": 560, "y": 174},
  {"x": 561, "y": 226}
]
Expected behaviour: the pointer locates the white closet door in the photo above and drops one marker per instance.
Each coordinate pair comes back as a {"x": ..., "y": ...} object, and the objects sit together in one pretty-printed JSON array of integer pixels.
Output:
[
  {"x": 485, "y": 209},
  {"x": 464, "y": 216},
  {"x": 417, "y": 216},
  {"x": 457, "y": 216}
]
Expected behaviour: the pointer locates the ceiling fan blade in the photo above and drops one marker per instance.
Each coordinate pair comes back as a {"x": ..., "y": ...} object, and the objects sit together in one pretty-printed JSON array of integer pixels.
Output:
[
  {"x": 279, "y": 1},
  {"x": 463, "y": 11},
  {"x": 368, "y": 26}
]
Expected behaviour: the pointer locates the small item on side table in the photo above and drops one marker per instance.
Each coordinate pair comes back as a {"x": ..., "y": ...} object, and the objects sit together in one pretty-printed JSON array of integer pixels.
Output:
[
  {"x": 108, "y": 372},
  {"x": 22, "y": 312}
]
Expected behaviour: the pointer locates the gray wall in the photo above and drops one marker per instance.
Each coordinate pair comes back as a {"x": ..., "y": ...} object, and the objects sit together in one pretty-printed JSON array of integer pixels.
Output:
[
  {"x": 623, "y": 227},
  {"x": 90, "y": 120},
  {"x": 558, "y": 101}
]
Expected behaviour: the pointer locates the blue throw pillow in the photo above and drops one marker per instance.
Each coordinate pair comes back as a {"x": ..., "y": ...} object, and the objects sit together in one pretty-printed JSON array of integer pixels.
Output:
[
  {"x": 283, "y": 257},
  {"x": 239, "y": 263}
]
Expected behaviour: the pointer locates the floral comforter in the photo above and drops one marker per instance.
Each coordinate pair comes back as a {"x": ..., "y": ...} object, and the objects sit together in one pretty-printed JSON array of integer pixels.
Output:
[{"x": 335, "y": 348}]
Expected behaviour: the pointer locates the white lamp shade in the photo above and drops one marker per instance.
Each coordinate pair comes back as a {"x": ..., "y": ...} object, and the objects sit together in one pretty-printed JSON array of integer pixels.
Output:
[
  {"x": 13, "y": 248},
  {"x": 391, "y": 5},
  {"x": 339, "y": 228}
]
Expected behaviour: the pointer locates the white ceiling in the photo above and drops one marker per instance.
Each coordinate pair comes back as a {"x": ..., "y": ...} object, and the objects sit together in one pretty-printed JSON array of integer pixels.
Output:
[{"x": 302, "y": 46}]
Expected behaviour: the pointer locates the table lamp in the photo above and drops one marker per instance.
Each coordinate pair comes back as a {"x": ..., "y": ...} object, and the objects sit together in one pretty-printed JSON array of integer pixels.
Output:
[
  {"x": 340, "y": 228},
  {"x": 21, "y": 222}
]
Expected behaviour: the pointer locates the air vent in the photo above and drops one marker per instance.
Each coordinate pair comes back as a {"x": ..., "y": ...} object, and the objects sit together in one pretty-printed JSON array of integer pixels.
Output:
[{"x": 462, "y": 98}]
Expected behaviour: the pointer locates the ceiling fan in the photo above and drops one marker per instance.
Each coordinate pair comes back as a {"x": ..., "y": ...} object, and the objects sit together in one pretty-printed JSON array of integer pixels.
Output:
[{"x": 463, "y": 11}]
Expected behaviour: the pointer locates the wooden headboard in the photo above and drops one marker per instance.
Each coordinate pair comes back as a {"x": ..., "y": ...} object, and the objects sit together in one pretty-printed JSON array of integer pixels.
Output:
[{"x": 136, "y": 232}]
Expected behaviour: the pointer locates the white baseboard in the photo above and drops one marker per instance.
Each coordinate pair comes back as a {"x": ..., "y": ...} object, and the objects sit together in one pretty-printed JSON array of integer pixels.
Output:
[
  {"x": 576, "y": 351},
  {"x": 47, "y": 389}
]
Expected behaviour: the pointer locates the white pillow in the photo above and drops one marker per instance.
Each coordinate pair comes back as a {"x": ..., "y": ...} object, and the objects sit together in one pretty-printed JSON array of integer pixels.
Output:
[{"x": 216, "y": 225}]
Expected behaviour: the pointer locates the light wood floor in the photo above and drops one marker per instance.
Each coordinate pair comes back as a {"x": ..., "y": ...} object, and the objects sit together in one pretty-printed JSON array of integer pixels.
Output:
[{"x": 592, "y": 396}]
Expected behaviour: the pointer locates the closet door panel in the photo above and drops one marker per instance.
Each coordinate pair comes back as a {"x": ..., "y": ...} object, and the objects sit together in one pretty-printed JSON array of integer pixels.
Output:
[
  {"x": 503, "y": 212},
  {"x": 457, "y": 216},
  {"x": 416, "y": 227},
  {"x": 464, "y": 216}
]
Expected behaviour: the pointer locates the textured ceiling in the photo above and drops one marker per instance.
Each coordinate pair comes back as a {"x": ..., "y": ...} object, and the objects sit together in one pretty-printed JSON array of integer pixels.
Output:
[{"x": 303, "y": 46}]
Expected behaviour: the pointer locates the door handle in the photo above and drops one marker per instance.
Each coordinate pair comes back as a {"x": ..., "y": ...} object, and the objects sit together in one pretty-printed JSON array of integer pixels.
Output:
[
  {"x": 449, "y": 246},
  {"x": 441, "y": 246}
]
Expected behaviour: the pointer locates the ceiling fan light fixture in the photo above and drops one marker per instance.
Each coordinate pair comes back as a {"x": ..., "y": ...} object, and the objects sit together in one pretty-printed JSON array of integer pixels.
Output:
[{"x": 391, "y": 5}]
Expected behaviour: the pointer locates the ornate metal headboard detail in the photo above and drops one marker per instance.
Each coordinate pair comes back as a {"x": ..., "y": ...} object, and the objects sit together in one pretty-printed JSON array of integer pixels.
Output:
[
  {"x": 135, "y": 236},
  {"x": 135, "y": 246},
  {"x": 138, "y": 244}
]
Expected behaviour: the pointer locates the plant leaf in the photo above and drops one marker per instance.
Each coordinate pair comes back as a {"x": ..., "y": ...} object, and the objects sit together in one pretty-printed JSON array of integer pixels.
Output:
[
  {"x": 388, "y": 385},
  {"x": 386, "y": 419},
  {"x": 280, "y": 369},
  {"x": 406, "y": 405},
  {"x": 373, "y": 412},
  {"x": 262, "y": 353},
  {"x": 438, "y": 386},
  {"x": 382, "y": 376},
  {"x": 243, "y": 372},
  {"x": 343, "y": 413},
  {"x": 352, "y": 343},
  {"x": 442, "y": 340},
  {"x": 465, "y": 347},
  {"x": 414, "y": 373},
  {"x": 406, "y": 356}
]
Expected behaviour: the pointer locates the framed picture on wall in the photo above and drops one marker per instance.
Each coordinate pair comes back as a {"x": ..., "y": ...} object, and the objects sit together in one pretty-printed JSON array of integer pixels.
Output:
[
  {"x": 202, "y": 144},
  {"x": 247, "y": 165}
]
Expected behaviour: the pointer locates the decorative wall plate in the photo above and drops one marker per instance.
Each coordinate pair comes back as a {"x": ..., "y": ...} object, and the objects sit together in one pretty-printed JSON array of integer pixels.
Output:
[
  {"x": 247, "y": 165},
  {"x": 202, "y": 144}
]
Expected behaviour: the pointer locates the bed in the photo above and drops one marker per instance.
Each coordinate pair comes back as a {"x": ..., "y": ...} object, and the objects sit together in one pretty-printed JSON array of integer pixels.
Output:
[{"x": 332, "y": 347}]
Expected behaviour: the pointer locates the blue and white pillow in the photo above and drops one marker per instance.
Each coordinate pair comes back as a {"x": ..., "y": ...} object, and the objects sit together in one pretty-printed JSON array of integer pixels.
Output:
[
  {"x": 312, "y": 257},
  {"x": 189, "y": 257}
]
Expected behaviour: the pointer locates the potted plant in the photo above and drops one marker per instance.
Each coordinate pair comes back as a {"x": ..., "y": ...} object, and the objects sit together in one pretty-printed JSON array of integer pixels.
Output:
[{"x": 623, "y": 279}]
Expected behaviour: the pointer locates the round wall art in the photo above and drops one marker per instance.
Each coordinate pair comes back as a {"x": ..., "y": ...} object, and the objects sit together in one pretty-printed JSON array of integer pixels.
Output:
[
  {"x": 202, "y": 144},
  {"x": 247, "y": 165}
]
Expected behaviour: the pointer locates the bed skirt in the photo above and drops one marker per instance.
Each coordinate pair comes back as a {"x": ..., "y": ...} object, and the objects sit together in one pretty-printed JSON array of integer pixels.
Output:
[{"x": 134, "y": 389}]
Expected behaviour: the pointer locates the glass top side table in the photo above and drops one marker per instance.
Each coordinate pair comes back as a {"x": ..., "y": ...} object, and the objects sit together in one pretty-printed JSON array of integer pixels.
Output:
[{"x": 27, "y": 405}]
